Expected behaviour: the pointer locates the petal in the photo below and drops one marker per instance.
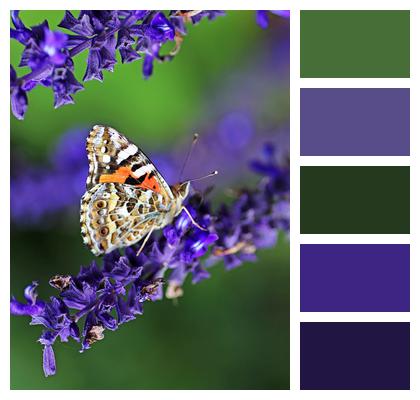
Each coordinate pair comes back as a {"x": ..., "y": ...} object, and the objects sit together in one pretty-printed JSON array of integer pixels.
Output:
[
  {"x": 21, "y": 36},
  {"x": 264, "y": 168},
  {"x": 171, "y": 235},
  {"x": 19, "y": 103},
  {"x": 72, "y": 84},
  {"x": 266, "y": 236},
  {"x": 199, "y": 273},
  {"x": 129, "y": 55},
  {"x": 281, "y": 13},
  {"x": 82, "y": 26},
  {"x": 74, "y": 331},
  {"x": 30, "y": 292},
  {"x": 121, "y": 269},
  {"x": 47, "y": 338},
  {"x": 124, "y": 314},
  {"x": 76, "y": 298},
  {"x": 133, "y": 301},
  {"x": 17, "y": 308},
  {"x": 17, "y": 22},
  {"x": 29, "y": 85},
  {"x": 107, "y": 54},
  {"x": 92, "y": 69},
  {"x": 161, "y": 28},
  {"x": 75, "y": 40},
  {"x": 124, "y": 39},
  {"x": 231, "y": 262},
  {"x": 183, "y": 222},
  {"x": 13, "y": 75},
  {"x": 262, "y": 18},
  {"x": 269, "y": 151},
  {"x": 178, "y": 275},
  {"x": 53, "y": 44},
  {"x": 64, "y": 85},
  {"x": 148, "y": 66},
  {"x": 48, "y": 361},
  {"x": 108, "y": 321},
  {"x": 210, "y": 14}
]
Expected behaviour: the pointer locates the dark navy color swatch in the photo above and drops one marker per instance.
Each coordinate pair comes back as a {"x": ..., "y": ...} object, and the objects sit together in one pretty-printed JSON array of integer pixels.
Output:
[
  {"x": 355, "y": 277},
  {"x": 355, "y": 355}
]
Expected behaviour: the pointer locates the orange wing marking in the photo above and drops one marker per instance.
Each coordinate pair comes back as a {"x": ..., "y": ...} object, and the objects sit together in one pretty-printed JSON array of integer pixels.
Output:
[
  {"x": 124, "y": 175},
  {"x": 119, "y": 176},
  {"x": 151, "y": 183}
]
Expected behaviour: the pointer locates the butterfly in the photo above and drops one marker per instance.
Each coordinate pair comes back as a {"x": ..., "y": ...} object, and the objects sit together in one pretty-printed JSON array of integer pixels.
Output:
[{"x": 126, "y": 197}]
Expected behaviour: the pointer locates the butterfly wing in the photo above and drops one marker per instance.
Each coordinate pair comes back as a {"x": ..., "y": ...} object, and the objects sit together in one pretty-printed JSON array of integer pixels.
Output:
[
  {"x": 113, "y": 158},
  {"x": 126, "y": 195},
  {"x": 115, "y": 215}
]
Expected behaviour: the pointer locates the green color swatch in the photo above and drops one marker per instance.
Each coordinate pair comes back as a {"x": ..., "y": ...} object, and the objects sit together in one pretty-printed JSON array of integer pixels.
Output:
[
  {"x": 355, "y": 44},
  {"x": 355, "y": 200}
]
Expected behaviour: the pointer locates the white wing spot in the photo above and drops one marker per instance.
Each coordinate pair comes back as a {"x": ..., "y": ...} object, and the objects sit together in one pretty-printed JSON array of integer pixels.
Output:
[
  {"x": 143, "y": 170},
  {"x": 129, "y": 151}
]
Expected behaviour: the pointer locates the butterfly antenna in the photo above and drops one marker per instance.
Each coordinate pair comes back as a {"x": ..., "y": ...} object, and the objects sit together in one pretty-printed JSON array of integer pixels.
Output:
[
  {"x": 193, "y": 142},
  {"x": 203, "y": 177},
  {"x": 193, "y": 221},
  {"x": 144, "y": 243}
]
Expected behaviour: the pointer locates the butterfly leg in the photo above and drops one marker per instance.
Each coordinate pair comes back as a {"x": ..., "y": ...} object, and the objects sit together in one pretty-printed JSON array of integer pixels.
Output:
[
  {"x": 192, "y": 219},
  {"x": 144, "y": 242}
]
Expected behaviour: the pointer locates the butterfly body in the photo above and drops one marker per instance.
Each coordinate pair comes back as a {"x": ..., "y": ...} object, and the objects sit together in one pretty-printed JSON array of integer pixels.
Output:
[{"x": 126, "y": 196}]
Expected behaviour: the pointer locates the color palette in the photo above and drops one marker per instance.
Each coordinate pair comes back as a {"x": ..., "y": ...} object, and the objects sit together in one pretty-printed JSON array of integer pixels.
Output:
[
  {"x": 355, "y": 277},
  {"x": 355, "y": 199},
  {"x": 355, "y": 44},
  {"x": 355, "y": 355},
  {"x": 355, "y": 122}
]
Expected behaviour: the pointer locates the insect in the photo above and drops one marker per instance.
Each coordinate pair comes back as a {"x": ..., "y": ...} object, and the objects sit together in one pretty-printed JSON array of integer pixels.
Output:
[{"x": 126, "y": 197}]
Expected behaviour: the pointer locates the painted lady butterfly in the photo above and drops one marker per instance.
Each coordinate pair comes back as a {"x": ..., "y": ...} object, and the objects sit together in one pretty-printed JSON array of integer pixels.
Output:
[{"x": 126, "y": 198}]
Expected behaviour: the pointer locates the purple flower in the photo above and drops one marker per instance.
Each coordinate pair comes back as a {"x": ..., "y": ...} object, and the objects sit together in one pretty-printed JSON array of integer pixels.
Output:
[
  {"x": 64, "y": 85},
  {"x": 160, "y": 29},
  {"x": 134, "y": 33},
  {"x": 210, "y": 14},
  {"x": 101, "y": 298},
  {"x": 53, "y": 44},
  {"x": 32, "y": 306},
  {"x": 64, "y": 179},
  {"x": 20, "y": 33},
  {"x": 281, "y": 13},
  {"x": 262, "y": 16},
  {"x": 18, "y": 97},
  {"x": 49, "y": 54}
]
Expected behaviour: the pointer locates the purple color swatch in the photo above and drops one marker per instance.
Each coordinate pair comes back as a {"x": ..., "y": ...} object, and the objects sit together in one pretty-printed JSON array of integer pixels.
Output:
[
  {"x": 355, "y": 122},
  {"x": 355, "y": 356},
  {"x": 354, "y": 277}
]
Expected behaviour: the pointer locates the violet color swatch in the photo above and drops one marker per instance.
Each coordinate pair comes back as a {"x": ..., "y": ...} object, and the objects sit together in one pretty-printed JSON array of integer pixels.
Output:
[
  {"x": 355, "y": 122},
  {"x": 355, "y": 277},
  {"x": 355, "y": 355}
]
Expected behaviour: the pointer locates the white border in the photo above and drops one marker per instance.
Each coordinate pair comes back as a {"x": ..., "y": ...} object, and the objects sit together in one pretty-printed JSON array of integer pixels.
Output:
[{"x": 296, "y": 160}]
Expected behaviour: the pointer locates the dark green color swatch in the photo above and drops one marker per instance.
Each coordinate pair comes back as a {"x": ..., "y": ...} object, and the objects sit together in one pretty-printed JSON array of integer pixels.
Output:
[
  {"x": 355, "y": 44},
  {"x": 355, "y": 200}
]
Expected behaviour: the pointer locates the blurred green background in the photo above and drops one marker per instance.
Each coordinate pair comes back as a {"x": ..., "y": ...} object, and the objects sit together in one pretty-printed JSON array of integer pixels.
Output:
[{"x": 228, "y": 332}]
